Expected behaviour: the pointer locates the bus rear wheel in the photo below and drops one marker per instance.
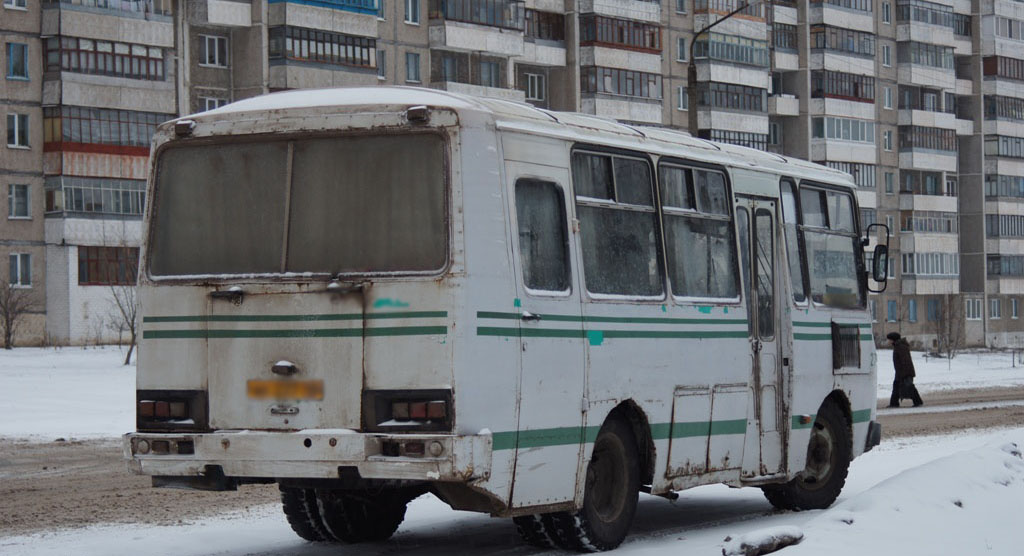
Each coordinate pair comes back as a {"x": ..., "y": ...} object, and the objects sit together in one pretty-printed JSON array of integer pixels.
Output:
[
  {"x": 300, "y": 508},
  {"x": 353, "y": 517},
  {"x": 534, "y": 530},
  {"x": 609, "y": 497},
  {"x": 828, "y": 459}
]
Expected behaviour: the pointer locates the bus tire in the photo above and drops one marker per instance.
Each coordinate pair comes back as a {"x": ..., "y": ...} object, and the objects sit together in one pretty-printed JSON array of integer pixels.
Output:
[
  {"x": 610, "y": 494},
  {"x": 829, "y": 452},
  {"x": 353, "y": 518},
  {"x": 300, "y": 508},
  {"x": 534, "y": 531}
]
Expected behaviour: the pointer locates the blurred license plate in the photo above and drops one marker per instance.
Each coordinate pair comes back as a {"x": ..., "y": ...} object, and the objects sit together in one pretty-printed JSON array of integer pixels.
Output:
[{"x": 285, "y": 389}]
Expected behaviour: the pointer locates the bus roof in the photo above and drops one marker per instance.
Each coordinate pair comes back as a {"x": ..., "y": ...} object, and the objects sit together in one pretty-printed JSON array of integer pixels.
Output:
[{"x": 516, "y": 116}]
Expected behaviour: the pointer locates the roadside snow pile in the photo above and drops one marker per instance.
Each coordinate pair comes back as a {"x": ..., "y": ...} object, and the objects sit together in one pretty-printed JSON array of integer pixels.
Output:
[
  {"x": 68, "y": 393},
  {"x": 965, "y": 503},
  {"x": 762, "y": 541}
]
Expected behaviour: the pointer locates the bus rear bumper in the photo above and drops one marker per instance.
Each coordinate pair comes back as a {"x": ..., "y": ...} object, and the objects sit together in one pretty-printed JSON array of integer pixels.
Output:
[{"x": 313, "y": 454}]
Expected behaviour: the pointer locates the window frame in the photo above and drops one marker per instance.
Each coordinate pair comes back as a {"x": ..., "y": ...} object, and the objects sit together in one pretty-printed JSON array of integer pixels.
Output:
[
  {"x": 568, "y": 248},
  {"x": 659, "y": 247},
  {"x": 854, "y": 237},
  {"x": 412, "y": 12},
  {"x": 9, "y": 53},
  {"x": 409, "y": 77},
  {"x": 12, "y": 198},
  {"x": 23, "y": 262},
  {"x": 536, "y": 86},
  {"x": 22, "y": 127},
  {"x": 205, "y": 41},
  {"x": 21, "y": 5}
]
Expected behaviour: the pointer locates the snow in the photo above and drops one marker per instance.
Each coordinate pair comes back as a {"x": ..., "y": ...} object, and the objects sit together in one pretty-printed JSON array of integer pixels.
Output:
[
  {"x": 66, "y": 393},
  {"x": 939, "y": 495},
  {"x": 309, "y": 98}
]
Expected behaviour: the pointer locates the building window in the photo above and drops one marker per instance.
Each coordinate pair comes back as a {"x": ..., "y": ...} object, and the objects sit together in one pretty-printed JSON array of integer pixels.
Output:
[
  {"x": 381, "y": 10},
  {"x": 680, "y": 6},
  {"x": 886, "y": 55},
  {"x": 890, "y": 180},
  {"x": 927, "y": 138},
  {"x": 309, "y": 45},
  {"x": 544, "y": 25},
  {"x": 608, "y": 31},
  {"x": 784, "y": 36},
  {"x": 412, "y": 67},
  {"x": 115, "y": 59},
  {"x": 213, "y": 51},
  {"x": 103, "y": 126},
  {"x": 840, "y": 39},
  {"x": 107, "y": 266},
  {"x": 682, "y": 98},
  {"x": 95, "y": 195},
  {"x": 490, "y": 74},
  {"x": 843, "y": 129},
  {"x": 774, "y": 134},
  {"x": 925, "y": 54},
  {"x": 210, "y": 103},
  {"x": 973, "y": 309},
  {"x": 863, "y": 174},
  {"x": 892, "y": 313},
  {"x": 888, "y": 98},
  {"x": 17, "y": 201},
  {"x": 912, "y": 310},
  {"x": 886, "y": 12},
  {"x": 536, "y": 86},
  {"x": 887, "y": 140},
  {"x": 681, "y": 48},
  {"x": 1014, "y": 308},
  {"x": 757, "y": 141},
  {"x": 21, "y": 4},
  {"x": 17, "y": 130},
  {"x": 614, "y": 81},
  {"x": 20, "y": 270},
  {"x": 732, "y": 97},
  {"x": 873, "y": 305},
  {"x": 934, "y": 312},
  {"x": 732, "y": 48},
  {"x": 17, "y": 60},
  {"x": 412, "y": 12},
  {"x": 995, "y": 310},
  {"x": 382, "y": 64},
  {"x": 846, "y": 86}
]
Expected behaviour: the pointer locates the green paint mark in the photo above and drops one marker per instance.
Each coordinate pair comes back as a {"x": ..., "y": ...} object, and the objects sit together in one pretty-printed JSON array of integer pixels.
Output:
[
  {"x": 704, "y": 309},
  {"x": 517, "y": 303},
  {"x": 725, "y": 310},
  {"x": 388, "y": 302},
  {"x": 298, "y": 318},
  {"x": 298, "y": 333},
  {"x": 861, "y": 416},
  {"x": 595, "y": 337},
  {"x": 664, "y": 308}
]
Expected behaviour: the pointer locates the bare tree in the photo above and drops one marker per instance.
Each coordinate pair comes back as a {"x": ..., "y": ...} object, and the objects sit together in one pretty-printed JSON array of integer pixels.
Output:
[
  {"x": 15, "y": 303},
  {"x": 122, "y": 275},
  {"x": 949, "y": 327}
]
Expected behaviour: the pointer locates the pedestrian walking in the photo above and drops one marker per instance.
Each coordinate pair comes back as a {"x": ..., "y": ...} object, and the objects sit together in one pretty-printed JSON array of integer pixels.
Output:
[{"x": 903, "y": 384}]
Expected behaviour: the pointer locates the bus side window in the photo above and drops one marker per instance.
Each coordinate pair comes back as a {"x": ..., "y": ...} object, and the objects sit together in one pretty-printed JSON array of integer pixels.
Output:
[
  {"x": 789, "y": 217},
  {"x": 618, "y": 230},
  {"x": 832, "y": 246},
  {"x": 543, "y": 238},
  {"x": 699, "y": 241}
]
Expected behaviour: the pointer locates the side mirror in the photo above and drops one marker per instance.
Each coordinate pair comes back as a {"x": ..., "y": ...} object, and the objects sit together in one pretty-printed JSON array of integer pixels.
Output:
[{"x": 880, "y": 270}]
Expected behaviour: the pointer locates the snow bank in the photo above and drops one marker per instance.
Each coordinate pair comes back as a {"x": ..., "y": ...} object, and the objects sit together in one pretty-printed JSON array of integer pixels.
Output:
[
  {"x": 762, "y": 541},
  {"x": 981, "y": 369},
  {"x": 47, "y": 394},
  {"x": 965, "y": 503}
]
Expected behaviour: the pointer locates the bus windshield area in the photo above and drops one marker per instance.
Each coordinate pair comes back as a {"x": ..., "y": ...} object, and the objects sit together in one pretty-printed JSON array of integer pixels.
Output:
[{"x": 335, "y": 205}]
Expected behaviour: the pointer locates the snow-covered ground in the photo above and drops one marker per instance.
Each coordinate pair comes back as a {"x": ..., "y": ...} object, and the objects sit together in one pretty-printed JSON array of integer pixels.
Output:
[{"x": 947, "y": 495}]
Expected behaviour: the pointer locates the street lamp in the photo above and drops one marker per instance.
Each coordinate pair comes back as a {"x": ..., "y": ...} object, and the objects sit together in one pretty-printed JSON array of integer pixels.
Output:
[{"x": 691, "y": 68}]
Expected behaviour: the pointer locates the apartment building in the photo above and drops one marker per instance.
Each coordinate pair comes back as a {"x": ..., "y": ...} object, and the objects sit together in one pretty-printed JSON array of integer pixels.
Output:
[{"x": 922, "y": 101}]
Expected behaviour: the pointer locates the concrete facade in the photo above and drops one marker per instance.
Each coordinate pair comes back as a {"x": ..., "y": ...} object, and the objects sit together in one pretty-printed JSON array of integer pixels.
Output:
[{"x": 921, "y": 101}]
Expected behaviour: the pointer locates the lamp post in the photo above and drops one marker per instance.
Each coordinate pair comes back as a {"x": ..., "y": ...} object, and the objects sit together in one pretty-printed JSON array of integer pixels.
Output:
[{"x": 691, "y": 68}]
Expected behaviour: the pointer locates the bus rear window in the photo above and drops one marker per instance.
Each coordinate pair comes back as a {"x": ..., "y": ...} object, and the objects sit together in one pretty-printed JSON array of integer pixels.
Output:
[{"x": 351, "y": 205}]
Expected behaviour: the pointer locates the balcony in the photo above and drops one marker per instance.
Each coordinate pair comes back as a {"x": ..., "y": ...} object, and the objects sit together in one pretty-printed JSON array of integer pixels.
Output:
[
  {"x": 631, "y": 109},
  {"x": 784, "y": 105},
  {"x": 640, "y": 10},
  {"x": 618, "y": 58},
  {"x": 830, "y": 14},
  {"x": 480, "y": 90},
  {"x": 75, "y": 20},
  {"x": 159, "y": 10},
  {"x": 494, "y": 26},
  {"x": 729, "y": 120},
  {"x": 351, "y": 17}
]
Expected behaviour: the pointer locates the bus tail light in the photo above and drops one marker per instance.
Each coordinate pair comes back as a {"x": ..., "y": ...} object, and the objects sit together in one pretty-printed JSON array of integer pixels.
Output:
[
  {"x": 171, "y": 410},
  {"x": 407, "y": 410}
]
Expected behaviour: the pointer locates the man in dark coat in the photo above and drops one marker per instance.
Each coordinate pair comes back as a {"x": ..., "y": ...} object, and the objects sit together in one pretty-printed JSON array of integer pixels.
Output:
[{"x": 903, "y": 384}]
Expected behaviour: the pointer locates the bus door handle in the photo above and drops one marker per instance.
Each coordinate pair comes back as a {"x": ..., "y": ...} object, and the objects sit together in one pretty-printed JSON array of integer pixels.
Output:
[
  {"x": 528, "y": 316},
  {"x": 233, "y": 294},
  {"x": 756, "y": 344}
]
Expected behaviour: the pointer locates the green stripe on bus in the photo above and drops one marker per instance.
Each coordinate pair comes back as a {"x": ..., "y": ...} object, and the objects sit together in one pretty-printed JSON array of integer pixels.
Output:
[
  {"x": 828, "y": 324},
  {"x": 298, "y": 333},
  {"x": 623, "y": 320},
  {"x": 564, "y": 436},
  {"x": 580, "y": 333},
  {"x": 861, "y": 416},
  {"x": 804, "y": 336},
  {"x": 299, "y": 318}
]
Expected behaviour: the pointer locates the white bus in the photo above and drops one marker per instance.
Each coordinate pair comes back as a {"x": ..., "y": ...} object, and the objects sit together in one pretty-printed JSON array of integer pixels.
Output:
[{"x": 363, "y": 295}]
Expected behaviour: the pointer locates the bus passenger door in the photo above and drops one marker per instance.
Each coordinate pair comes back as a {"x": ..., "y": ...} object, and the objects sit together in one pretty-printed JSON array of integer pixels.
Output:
[
  {"x": 756, "y": 225},
  {"x": 549, "y": 436}
]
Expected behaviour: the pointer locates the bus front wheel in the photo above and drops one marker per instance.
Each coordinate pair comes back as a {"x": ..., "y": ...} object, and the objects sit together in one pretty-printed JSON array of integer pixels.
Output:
[
  {"x": 828, "y": 459},
  {"x": 609, "y": 497}
]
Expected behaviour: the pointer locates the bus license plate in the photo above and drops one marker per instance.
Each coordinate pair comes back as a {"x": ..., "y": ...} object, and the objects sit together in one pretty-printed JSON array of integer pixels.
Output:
[{"x": 285, "y": 389}]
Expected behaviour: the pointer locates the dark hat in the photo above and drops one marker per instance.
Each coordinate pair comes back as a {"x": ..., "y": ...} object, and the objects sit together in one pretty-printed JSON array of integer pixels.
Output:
[{"x": 893, "y": 336}]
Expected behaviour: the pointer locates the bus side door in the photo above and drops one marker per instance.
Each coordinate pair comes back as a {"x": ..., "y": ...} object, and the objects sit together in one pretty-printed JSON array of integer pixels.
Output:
[
  {"x": 550, "y": 429},
  {"x": 758, "y": 233}
]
